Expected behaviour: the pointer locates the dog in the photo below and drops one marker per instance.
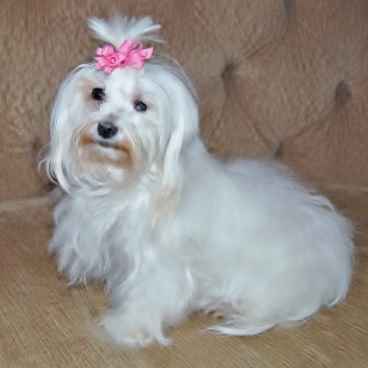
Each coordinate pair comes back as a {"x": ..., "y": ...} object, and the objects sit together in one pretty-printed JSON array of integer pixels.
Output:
[{"x": 169, "y": 228}]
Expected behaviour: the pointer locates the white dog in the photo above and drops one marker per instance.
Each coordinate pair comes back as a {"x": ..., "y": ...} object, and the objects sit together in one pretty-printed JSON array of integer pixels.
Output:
[{"x": 165, "y": 225}]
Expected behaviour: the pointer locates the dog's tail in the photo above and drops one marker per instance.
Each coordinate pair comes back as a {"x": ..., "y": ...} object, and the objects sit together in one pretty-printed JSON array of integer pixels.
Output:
[
  {"x": 240, "y": 328},
  {"x": 118, "y": 29}
]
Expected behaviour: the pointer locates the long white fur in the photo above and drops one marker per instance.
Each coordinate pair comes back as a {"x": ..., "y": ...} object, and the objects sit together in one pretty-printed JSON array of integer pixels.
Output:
[
  {"x": 120, "y": 28},
  {"x": 182, "y": 231}
]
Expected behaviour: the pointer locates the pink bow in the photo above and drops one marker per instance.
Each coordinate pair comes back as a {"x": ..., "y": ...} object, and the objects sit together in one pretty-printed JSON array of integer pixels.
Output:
[{"x": 129, "y": 54}]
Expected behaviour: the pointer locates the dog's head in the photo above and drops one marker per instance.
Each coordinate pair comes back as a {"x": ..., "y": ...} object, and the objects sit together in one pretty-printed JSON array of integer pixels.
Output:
[{"x": 117, "y": 120}]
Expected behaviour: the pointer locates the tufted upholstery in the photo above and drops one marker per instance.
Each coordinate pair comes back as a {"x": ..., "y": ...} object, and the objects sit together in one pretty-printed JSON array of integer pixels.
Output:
[{"x": 276, "y": 78}]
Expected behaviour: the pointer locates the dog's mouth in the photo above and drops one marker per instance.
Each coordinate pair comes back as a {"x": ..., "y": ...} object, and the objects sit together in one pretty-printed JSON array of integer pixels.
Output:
[
  {"x": 105, "y": 151},
  {"x": 88, "y": 140},
  {"x": 105, "y": 144}
]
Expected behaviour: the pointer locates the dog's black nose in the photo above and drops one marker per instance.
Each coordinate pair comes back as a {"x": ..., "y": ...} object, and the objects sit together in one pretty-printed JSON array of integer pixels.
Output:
[{"x": 106, "y": 129}]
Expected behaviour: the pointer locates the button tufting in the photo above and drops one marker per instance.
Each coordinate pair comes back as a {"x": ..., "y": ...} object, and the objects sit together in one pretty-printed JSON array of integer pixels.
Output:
[
  {"x": 228, "y": 70},
  {"x": 342, "y": 93},
  {"x": 289, "y": 6}
]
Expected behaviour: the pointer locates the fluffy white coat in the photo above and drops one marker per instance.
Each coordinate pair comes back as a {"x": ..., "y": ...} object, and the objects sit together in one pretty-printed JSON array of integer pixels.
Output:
[{"x": 169, "y": 228}]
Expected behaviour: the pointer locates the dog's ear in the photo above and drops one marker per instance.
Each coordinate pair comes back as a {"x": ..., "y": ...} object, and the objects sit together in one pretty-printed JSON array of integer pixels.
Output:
[
  {"x": 60, "y": 115},
  {"x": 184, "y": 123},
  {"x": 68, "y": 106},
  {"x": 172, "y": 170}
]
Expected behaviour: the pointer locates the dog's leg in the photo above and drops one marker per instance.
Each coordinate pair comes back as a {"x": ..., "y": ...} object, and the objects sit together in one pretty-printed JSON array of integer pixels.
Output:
[{"x": 157, "y": 298}]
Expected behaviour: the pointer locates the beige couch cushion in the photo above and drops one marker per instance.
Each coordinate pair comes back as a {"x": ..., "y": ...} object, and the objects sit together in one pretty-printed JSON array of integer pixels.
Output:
[{"x": 273, "y": 76}]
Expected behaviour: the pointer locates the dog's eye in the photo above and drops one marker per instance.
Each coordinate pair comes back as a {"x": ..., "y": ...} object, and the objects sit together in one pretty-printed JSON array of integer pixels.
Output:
[
  {"x": 140, "y": 106},
  {"x": 98, "y": 94}
]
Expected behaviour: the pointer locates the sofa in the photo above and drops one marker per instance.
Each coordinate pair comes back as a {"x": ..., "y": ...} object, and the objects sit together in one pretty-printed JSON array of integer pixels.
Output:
[{"x": 276, "y": 78}]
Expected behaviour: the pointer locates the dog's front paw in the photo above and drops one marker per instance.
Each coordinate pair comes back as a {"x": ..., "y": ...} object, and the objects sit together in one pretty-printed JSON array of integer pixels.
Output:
[
  {"x": 69, "y": 263},
  {"x": 131, "y": 331}
]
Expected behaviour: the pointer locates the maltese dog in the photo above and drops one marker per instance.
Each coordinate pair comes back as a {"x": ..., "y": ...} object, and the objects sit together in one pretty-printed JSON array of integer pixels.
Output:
[{"x": 166, "y": 226}]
